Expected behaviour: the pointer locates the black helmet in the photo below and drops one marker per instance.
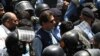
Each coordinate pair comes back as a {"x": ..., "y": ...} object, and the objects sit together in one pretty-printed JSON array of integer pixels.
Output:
[
  {"x": 81, "y": 53},
  {"x": 97, "y": 37},
  {"x": 16, "y": 41},
  {"x": 70, "y": 39},
  {"x": 23, "y": 5},
  {"x": 12, "y": 45},
  {"x": 69, "y": 42},
  {"x": 88, "y": 52},
  {"x": 53, "y": 50},
  {"x": 41, "y": 7},
  {"x": 96, "y": 42}
]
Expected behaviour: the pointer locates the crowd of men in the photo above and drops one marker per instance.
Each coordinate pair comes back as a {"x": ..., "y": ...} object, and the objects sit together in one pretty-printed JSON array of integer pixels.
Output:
[{"x": 49, "y": 27}]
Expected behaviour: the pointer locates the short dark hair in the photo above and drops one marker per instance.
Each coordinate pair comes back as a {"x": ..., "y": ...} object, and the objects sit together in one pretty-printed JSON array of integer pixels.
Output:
[
  {"x": 66, "y": 26},
  {"x": 45, "y": 16},
  {"x": 1, "y": 5}
]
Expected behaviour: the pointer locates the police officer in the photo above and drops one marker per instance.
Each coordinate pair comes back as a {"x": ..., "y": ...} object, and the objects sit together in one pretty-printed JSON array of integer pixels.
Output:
[
  {"x": 25, "y": 11},
  {"x": 53, "y": 50},
  {"x": 88, "y": 52},
  {"x": 70, "y": 43},
  {"x": 75, "y": 6},
  {"x": 17, "y": 42},
  {"x": 40, "y": 8}
]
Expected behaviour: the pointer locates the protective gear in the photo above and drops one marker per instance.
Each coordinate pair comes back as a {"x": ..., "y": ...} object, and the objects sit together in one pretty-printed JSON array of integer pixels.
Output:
[
  {"x": 88, "y": 52},
  {"x": 13, "y": 45},
  {"x": 81, "y": 53},
  {"x": 83, "y": 38},
  {"x": 96, "y": 41},
  {"x": 90, "y": 5},
  {"x": 23, "y": 6},
  {"x": 70, "y": 39},
  {"x": 51, "y": 3},
  {"x": 17, "y": 40},
  {"x": 41, "y": 7},
  {"x": 25, "y": 35},
  {"x": 71, "y": 43},
  {"x": 24, "y": 9},
  {"x": 53, "y": 50}
]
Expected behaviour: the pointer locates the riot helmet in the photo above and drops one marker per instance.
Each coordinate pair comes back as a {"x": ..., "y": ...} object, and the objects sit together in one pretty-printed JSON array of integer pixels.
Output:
[
  {"x": 96, "y": 42},
  {"x": 70, "y": 42},
  {"x": 53, "y": 50},
  {"x": 41, "y": 7},
  {"x": 12, "y": 45},
  {"x": 17, "y": 40},
  {"x": 23, "y": 5},
  {"x": 81, "y": 53},
  {"x": 24, "y": 8},
  {"x": 88, "y": 52},
  {"x": 70, "y": 39}
]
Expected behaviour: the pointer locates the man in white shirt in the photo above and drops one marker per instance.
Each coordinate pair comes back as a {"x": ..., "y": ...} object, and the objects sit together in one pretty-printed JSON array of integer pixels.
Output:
[{"x": 9, "y": 23}]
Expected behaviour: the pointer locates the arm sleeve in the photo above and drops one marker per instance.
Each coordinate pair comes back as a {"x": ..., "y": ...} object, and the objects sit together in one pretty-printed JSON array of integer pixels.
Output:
[{"x": 37, "y": 46}]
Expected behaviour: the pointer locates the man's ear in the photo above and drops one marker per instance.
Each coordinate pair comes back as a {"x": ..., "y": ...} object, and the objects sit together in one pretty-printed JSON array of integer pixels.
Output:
[{"x": 62, "y": 44}]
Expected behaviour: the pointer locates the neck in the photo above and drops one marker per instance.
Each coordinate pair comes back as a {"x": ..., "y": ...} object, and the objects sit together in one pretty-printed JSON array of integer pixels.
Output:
[{"x": 45, "y": 28}]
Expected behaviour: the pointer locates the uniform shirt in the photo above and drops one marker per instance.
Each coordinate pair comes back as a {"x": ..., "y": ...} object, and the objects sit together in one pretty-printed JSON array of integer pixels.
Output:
[
  {"x": 3, "y": 35},
  {"x": 3, "y": 52},
  {"x": 56, "y": 32},
  {"x": 84, "y": 26}
]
